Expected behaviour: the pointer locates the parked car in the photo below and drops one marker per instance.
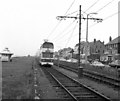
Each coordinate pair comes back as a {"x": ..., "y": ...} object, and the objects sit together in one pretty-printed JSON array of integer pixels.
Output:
[
  {"x": 62, "y": 59},
  {"x": 115, "y": 63},
  {"x": 96, "y": 63},
  {"x": 74, "y": 60},
  {"x": 84, "y": 61},
  {"x": 69, "y": 60}
]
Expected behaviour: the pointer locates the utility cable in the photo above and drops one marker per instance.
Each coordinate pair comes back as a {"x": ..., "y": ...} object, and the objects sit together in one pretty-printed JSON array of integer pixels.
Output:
[
  {"x": 108, "y": 17},
  {"x": 92, "y": 5},
  {"x": 54, "y": 29},
  {"x": 71, "y": 35},
  {"x": 105, "y": 18},
  {"x": 104, "y": 6},
  {"x": 61, "y": 33},
  {"x": 69, "y": 7},
  {"x": 59, "y": 21}
]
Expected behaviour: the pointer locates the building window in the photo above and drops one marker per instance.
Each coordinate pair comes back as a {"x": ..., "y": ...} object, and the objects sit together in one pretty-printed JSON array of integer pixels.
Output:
[
  {"x": 103, "y": 51},
  {"x": 96, "y": 47}
]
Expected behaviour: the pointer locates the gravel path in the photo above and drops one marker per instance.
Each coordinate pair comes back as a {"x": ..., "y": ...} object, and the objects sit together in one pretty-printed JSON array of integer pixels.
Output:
[{"x": 44, "y": 89}]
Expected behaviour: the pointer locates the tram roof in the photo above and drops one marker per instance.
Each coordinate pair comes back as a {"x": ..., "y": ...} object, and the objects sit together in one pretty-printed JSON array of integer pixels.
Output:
[{"x": 47, "y": 44}]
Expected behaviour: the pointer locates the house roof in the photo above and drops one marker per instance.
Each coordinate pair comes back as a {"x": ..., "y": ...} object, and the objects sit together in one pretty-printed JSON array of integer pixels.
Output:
[
  {"x": 116, "y": 40},
  {"x": 82, "y": 43},
  {"x": 91, "y": 43}
]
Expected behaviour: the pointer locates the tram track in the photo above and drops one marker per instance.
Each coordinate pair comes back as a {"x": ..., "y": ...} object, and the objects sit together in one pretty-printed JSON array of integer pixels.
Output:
[
  {"x": 70, "y": 88},
  {"x": 112, "y": 82}
]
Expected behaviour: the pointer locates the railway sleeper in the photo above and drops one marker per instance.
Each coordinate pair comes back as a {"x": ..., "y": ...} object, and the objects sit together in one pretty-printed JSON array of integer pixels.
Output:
[
  {"x": 76, "y": 88},
  {"x": 81, "y": 93},
  {"x": 85, "y": 96},
  {"x": 72, "y": 86},
  {"x": 92, "y": 99}
]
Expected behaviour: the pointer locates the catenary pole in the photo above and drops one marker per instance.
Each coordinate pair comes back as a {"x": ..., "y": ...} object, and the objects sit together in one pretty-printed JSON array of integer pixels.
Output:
[
  {"x": 79, "y": 34},
  {"x": 80, "y": 68}
]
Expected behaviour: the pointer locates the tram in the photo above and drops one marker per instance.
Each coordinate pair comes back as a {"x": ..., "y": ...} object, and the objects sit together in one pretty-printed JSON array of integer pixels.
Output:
[{"x": 46, "y": 53}]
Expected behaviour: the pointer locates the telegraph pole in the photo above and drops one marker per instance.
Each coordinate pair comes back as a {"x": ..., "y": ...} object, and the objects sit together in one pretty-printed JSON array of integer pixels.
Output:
[
  {"x": 79, "y": 35},
  {"x": 80, "y": 69}
]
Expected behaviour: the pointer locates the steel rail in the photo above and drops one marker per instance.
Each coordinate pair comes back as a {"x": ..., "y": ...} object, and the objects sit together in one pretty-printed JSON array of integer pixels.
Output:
[
  {"x": 93, "y": 92},
  {"x": 63, "y": 86},
  {"x": 95, "y": 76}
]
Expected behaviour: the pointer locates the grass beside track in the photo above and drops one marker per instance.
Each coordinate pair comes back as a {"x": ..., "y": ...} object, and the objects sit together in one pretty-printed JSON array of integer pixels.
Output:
[
  {"x": 108, "y": 71},
  {"x": 17, "y": 78}
]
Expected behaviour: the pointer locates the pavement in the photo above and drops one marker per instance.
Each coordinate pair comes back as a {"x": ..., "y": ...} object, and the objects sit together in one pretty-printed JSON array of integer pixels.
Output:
[{"x": 42, "y": 86}]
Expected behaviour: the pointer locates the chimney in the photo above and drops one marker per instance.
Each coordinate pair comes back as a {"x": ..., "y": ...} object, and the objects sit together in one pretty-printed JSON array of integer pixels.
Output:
[
  {"x": 103, "y": 42},
  {"x": 110, "y": 39},
  {"x": 94, "y": 40}
]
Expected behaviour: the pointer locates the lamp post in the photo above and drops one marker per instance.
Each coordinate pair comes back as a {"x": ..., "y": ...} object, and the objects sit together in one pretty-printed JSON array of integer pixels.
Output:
[{"x": 86, "y": 46}]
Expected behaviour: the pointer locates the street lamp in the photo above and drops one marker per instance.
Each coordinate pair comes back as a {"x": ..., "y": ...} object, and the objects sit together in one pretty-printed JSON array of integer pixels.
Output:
[{"x": 86, "y": 46}]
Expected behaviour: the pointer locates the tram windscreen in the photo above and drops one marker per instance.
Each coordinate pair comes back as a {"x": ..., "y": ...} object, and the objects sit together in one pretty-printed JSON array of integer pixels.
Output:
[{"x": 47, "y": 55}]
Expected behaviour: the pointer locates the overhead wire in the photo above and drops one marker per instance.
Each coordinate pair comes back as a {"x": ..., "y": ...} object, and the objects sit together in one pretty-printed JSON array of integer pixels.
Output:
[
  {"x": 86, "y": 10},
  {"x": 72, "y": 13},
  {"x": 108, "y": 17},
  {"x": 62, "y": 32},
  {"x": 54, "y": 28},
  {"x": 63, "y": 37},
  {"x": 69, "y": 7},
  {"x": 71, "y": 34},
  {"x": 77, "y": 10},
  {"x": 100, "y": 10},
  {"x": 97, "y": 10},
  {"x": 92, "y": 5},
  {"x": 59, "y": 21},
  {"x": 104, "y": 6},
  {"x": 111, "y": 15}
]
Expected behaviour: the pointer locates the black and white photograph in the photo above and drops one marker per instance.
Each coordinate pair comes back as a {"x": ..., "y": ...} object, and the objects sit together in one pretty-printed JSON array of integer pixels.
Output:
[{"x": 60, "y": 50}]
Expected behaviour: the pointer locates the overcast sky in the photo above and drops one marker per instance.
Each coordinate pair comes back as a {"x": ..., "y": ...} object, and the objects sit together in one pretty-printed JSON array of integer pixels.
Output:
[{"x": 24, "y": 24}]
